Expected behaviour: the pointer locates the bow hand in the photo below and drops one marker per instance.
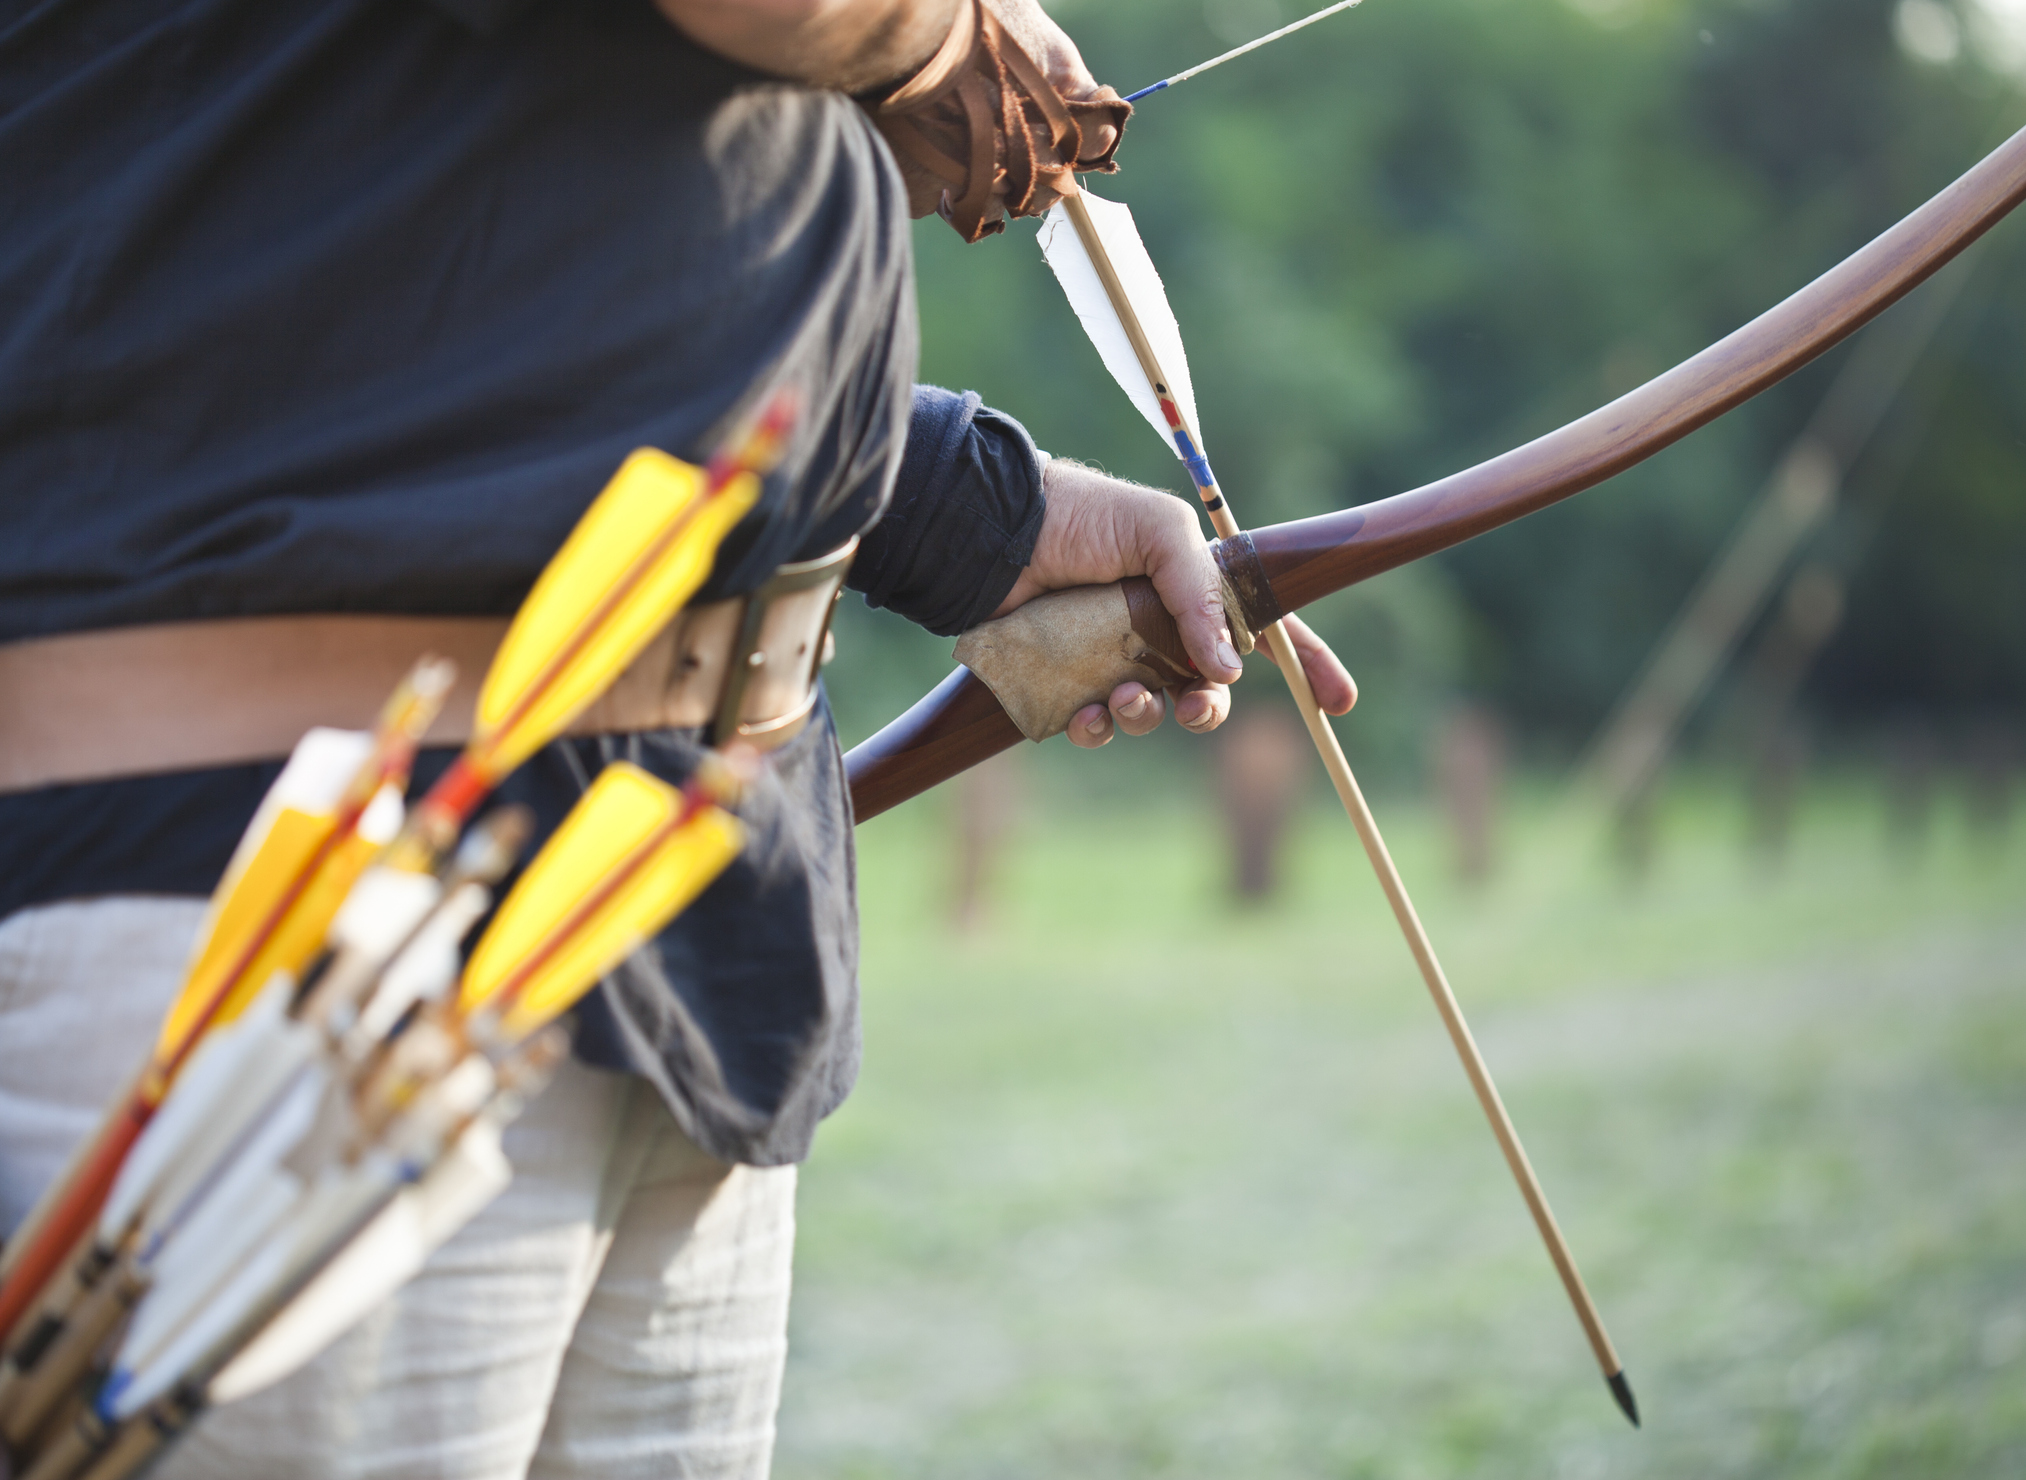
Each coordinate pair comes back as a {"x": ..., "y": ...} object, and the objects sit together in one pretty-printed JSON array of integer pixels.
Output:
[{"x": 1100, "y": 529}]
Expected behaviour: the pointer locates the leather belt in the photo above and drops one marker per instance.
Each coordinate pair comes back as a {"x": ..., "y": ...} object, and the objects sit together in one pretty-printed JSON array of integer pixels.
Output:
[{"x": 181, "y": 696}]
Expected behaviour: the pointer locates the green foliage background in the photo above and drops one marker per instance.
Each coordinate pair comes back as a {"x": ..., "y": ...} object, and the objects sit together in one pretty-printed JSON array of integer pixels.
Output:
[
  {"x": 1428, "y": 230},
  {"x": 1139, "y": 1184}
]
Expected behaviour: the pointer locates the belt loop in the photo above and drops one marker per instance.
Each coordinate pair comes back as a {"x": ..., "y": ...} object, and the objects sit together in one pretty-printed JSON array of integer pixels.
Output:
[{"x": 747, "y": 657}]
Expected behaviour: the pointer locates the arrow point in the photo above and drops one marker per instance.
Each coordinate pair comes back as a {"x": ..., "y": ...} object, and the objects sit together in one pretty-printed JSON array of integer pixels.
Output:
[{"x": 1622, "y": 1391}]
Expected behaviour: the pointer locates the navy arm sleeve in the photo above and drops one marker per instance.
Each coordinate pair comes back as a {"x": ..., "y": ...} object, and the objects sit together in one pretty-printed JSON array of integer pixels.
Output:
[{"x": 965, "y": 513}]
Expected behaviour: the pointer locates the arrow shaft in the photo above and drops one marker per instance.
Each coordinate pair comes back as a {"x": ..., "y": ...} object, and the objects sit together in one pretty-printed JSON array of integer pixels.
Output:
[
  {"x": 1189, "y": 445},
  {"x": 1239, "y": 51},
  {"x": 1446, "y": 1005}
]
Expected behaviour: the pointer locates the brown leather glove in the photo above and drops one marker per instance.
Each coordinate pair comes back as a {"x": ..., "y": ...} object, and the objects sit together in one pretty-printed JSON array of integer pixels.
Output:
[{"x": 980, "y": 132}]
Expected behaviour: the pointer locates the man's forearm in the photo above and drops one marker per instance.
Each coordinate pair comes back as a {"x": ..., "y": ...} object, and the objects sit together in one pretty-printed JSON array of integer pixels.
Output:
[{"x": 847, "y": 44}]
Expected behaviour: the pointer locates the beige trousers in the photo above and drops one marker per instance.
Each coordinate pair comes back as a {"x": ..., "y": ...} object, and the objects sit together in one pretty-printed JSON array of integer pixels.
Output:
[{"x": 620, "y": 1311}]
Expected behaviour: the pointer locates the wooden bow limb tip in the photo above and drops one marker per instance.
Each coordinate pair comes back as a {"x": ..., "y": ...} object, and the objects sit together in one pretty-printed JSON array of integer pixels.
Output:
[{"x": 1113, "y": 252}]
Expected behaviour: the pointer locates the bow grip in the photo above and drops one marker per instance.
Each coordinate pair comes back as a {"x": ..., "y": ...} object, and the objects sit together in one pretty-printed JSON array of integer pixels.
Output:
[{"x": 1049, "y": 658}]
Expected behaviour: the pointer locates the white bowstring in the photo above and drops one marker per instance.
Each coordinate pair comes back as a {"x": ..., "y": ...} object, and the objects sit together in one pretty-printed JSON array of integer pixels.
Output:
[{"x": 1253, "y": 45}]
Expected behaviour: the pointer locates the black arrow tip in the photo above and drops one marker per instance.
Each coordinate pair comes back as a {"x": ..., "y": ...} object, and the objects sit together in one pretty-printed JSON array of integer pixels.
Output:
[{"x": 1622, "y": 1391}]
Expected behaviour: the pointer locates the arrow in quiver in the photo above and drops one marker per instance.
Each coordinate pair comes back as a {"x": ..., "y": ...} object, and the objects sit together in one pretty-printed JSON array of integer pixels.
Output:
[{"x": 323, "y": 1104}]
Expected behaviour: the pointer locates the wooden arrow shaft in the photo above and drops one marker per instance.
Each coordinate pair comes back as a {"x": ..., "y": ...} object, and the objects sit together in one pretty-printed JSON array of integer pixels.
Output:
[
  {"x": 1339, "y": 768},
  {"x": 1446, "y": 1004}
]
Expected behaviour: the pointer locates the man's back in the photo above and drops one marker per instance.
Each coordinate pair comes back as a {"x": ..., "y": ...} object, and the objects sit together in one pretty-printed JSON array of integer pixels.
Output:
[
  {"x": 346, "y": 307},
  {"x": 353, "y": 306}
]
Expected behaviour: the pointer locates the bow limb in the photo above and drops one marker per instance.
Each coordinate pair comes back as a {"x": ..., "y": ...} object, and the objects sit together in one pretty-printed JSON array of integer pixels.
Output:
[
  {"x": 1283, "y": 567},
  {"x": 1293, "y": 564}
]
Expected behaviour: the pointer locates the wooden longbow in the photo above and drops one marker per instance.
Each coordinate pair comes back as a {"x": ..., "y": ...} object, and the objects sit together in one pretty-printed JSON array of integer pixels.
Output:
[{"x": 1283, "y": 567}]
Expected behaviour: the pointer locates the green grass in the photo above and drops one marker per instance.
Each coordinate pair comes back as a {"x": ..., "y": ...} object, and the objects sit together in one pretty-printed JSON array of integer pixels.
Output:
[{"x": 1137, "y": 1183}]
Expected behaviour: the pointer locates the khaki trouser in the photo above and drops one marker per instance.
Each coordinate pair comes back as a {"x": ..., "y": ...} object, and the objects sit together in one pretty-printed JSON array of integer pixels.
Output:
[{"x": 620, "y": 1311}]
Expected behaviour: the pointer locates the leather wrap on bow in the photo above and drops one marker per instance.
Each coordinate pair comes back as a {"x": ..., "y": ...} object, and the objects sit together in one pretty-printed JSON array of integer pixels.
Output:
[{"x": 991, "y": 130}]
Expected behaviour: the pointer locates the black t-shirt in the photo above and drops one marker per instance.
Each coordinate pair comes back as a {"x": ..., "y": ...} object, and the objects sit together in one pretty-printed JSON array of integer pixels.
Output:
[
  {"x": 342, "y": 306},
  {"x": 353, "y": 306}
]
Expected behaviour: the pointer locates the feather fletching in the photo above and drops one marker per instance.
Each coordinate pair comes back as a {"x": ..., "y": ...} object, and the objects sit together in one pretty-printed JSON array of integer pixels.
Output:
[{"x": 1064, "y": 249}]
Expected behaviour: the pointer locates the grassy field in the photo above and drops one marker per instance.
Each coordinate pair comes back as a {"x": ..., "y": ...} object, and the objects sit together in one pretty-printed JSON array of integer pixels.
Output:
[{"x": 1140, "y": 1184}]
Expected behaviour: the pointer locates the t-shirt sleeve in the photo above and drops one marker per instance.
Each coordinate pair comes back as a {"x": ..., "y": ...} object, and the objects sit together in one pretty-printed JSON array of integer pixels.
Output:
[{"x": 965, "y": 513}]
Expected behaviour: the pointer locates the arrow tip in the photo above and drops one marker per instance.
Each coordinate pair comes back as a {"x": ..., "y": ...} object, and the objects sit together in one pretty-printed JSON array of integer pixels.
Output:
[{"x": 1622, "y": 1391}]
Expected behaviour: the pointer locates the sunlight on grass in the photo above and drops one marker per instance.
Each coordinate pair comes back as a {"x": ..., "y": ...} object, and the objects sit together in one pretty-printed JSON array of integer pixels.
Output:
[{"x": 1139, "y": 1183}]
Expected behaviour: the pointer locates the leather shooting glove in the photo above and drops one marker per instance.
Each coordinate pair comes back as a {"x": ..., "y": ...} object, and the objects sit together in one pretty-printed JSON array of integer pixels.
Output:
[{"x": 980, "y": 132}]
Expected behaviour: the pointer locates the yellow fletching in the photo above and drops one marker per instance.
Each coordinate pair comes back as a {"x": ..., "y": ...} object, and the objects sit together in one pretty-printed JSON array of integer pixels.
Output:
[
  {"x": 288, "y": 846},
  {"x": 621, "y": 837},
  {"x": 679, "y": 871},
  {"x": 650, "y": 492},
  {"x": 295, "y": 940},
  {"x": 300, "y": 936},
  {"x": 617, "y": 816}
]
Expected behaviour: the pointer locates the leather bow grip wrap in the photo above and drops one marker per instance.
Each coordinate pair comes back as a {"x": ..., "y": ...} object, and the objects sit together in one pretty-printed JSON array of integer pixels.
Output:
[{"x": 1049, "y": 658}]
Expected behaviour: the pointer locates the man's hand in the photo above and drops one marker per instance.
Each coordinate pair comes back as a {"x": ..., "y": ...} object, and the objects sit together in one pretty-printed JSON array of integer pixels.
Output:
[
  {"x": 1050, "y": 49},
  {"x": 1100, "y": 529}
]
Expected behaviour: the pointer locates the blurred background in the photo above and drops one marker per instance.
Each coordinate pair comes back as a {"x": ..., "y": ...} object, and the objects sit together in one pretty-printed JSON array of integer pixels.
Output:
[{"x": 1160, "y": 1163}]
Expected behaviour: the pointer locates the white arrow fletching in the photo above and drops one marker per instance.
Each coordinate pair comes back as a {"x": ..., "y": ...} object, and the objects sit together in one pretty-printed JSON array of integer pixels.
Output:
[
  {"x": 191, "y": 1130},
  {"x": 1064, "y": 249},
  {"x": 275, "y": 1059},
  {"x": 255, "y": 1196},
  {"x": 386, "y": 1255},
  {"x": 339, "y": 1200},
  {"x": 428, "y": 964}
]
